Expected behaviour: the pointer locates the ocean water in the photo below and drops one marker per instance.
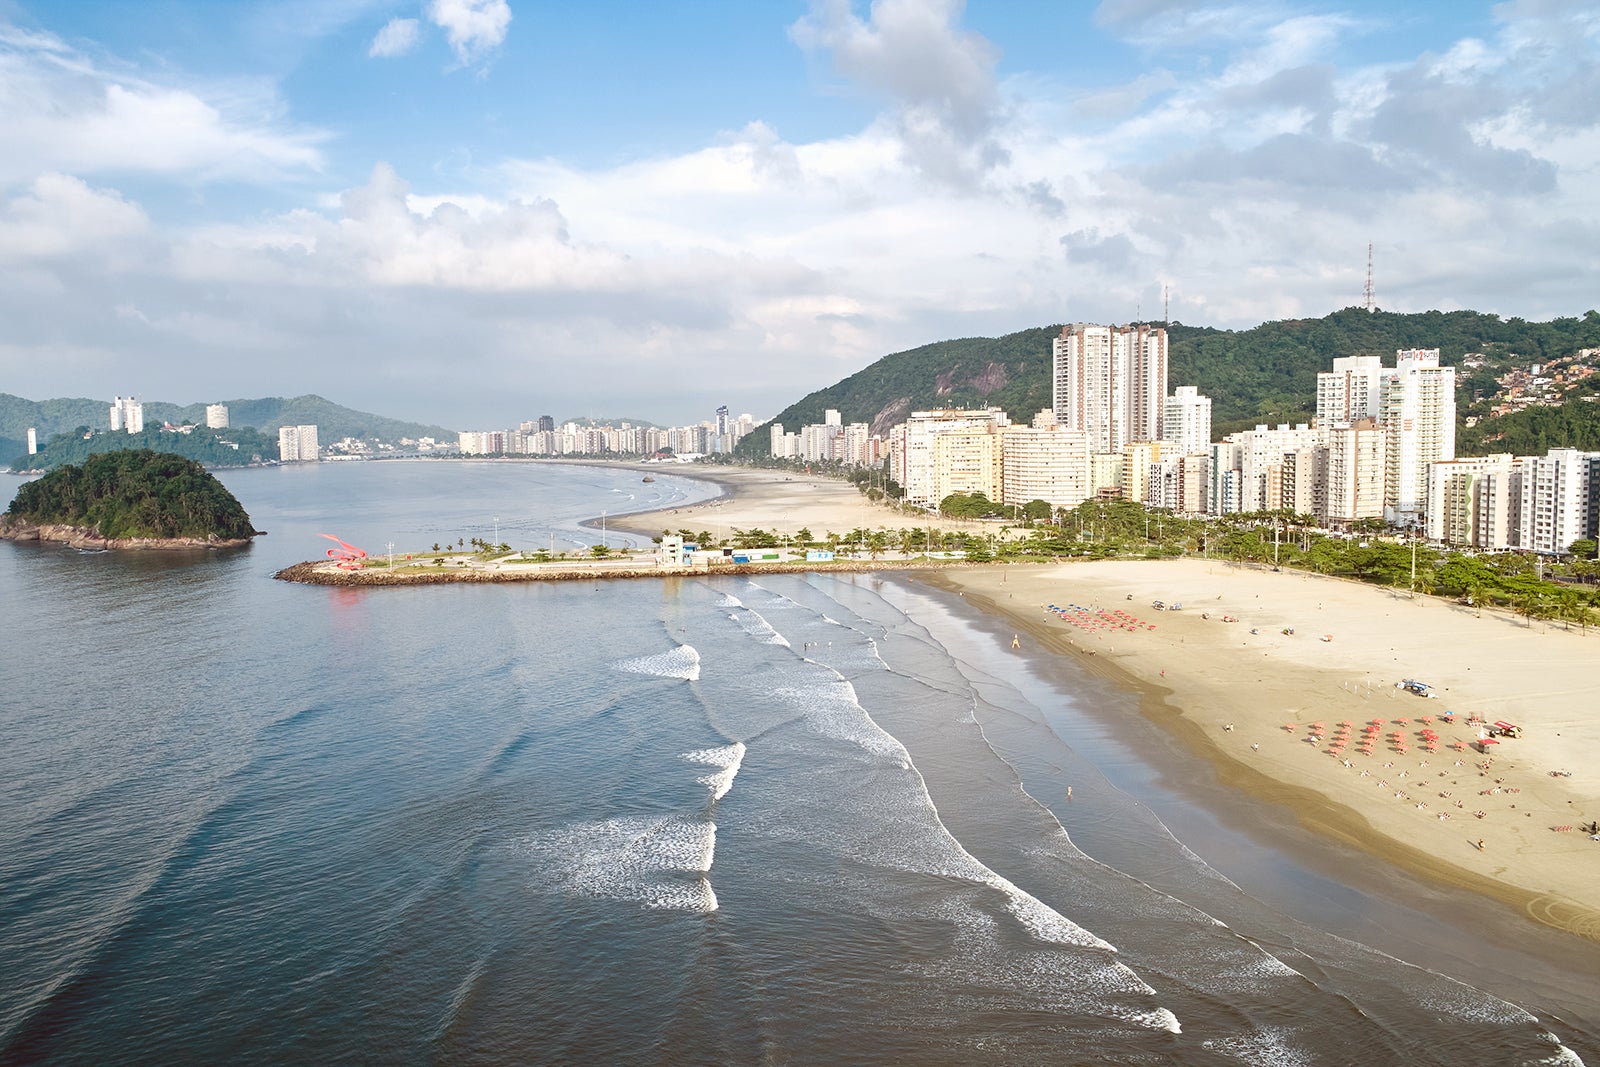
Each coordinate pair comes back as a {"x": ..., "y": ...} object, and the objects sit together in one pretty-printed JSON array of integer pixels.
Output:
[{"x": 792, "y": 819}]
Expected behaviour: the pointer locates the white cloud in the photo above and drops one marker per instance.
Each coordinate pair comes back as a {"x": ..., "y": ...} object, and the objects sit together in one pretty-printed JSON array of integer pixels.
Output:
[
  {"x": 750, "y": 262},
  {"x": 945, "y": 104},
  {"x": 475, "y": 28},
  {"x": 397, "y": 37},
  {"x": 62, "y": 111},
  {"x": 61, "y": 215}
]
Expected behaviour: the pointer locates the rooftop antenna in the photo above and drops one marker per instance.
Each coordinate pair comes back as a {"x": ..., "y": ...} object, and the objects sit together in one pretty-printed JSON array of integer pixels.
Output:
[
  {"x": 1166, "y": 305},
  {"x": 1368, "y": 293}
]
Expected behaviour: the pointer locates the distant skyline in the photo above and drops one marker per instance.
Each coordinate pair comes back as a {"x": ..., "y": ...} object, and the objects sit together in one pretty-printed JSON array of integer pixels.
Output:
[{"x": 472, "y": 212}]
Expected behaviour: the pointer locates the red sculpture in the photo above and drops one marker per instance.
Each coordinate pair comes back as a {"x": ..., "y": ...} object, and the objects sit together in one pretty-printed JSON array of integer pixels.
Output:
[{"x": 349, "y": 556}]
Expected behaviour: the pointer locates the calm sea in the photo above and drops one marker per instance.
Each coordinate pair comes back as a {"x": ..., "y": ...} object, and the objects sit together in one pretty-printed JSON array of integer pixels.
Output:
[{"x": 795, "y": 819}]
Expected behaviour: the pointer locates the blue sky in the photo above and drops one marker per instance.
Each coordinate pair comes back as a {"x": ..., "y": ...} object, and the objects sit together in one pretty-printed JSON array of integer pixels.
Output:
[{"x": 477, "y": 211}]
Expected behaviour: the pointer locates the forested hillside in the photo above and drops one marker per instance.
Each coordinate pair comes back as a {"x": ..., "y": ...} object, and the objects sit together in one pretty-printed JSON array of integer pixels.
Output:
[
  {"x": 1267, "y": 374},
  {"x": 266, "y": 414},
  {"x": 211, "y": 448},
  {"x": 134, "y": 494}
]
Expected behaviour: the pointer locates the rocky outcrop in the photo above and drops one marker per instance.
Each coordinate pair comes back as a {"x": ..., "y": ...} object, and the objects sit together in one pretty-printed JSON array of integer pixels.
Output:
[{"x": 88, "y": 537}]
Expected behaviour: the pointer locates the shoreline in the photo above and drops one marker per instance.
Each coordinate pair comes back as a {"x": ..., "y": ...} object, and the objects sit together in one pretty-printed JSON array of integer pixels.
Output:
[
  {"x": 85, "y": 537},
  {"x": 1194, "y": 694},
  {"x": 1242, "y": 696},
  {"x": 1213, "y": 675}
]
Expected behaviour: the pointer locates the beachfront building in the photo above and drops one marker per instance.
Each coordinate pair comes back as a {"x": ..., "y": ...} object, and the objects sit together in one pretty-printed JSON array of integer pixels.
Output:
[
  {"x": 1352, "y": 390},
  {"x": 967, "y": 461},
  {"x": 1304, "y": 481},
  {"x": 784, "y": 445},
  {"x": 1106, "y": 473},
  {"x": 217, "y": 416},
  {"x": 1137, "y": 458},
  {"x": 1455, "y": 489},
  {"x": 127, "y": 414},
  {"x": 1186, "y": 421},
  {"x": 1356, "y": 468},
  {"x": 1110, "y": 382},
  {"x": 912, "y": 458},
  {"x": 1419, "y": 416},
  {"x": 1246, "y": 471},
  {"x": 1178, "y": 482},
  {"x": 298, "y": 444},
  {"x": 1044, "y": 461},
  {"x": 1554, "y": 508}
]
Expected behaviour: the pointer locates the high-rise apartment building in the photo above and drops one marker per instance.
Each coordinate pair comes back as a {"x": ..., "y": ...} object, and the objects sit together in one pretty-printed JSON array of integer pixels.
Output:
[
  {"x": 1555, "y": 500},
  {"x": 967, "y": 461},
  {"x": 1246, "y": 472},
  {"x": 1178, "y": 482},
  {"x": 1186, "y": 422},
  {"x": 127, "y": 414},
  {"x": 1352, "y": 390},
  {"x": 1044, "y": 461},
  {"x": 1455, "y": 490},
  {"x": 217, "y": 416},
  {"x": 1110, "y": 382},
  {"x": 298, "y": 444},
  {"x": 1357, "y": 452},
  {"x": 1419, "y": 415},
  {"x": 913, "y": 455}
]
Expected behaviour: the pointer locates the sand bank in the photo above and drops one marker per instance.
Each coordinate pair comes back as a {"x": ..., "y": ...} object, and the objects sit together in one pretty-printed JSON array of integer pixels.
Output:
[{"x": 1247, "y": 694}]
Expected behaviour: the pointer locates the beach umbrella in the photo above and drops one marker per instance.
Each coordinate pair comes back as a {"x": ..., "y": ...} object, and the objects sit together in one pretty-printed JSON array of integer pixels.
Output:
[
  {"x": 1427, "y": 719},
  {"x": 1403, "y": 721},
  {"x": 1347, "y": 722}
]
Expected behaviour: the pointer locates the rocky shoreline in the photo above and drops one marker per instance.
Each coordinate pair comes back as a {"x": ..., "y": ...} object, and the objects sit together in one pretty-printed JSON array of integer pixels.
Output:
[{"x": 88, "y": 537}]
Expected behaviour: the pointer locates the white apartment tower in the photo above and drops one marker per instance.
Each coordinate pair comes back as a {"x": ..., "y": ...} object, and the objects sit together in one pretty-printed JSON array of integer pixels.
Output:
[
  {"x": 913, "y": 465},
  {"x": 127, "y": 414},
  {"x": 1455, "y": 491},
  {"x": 298, "y": 444},
  {"x": 1352, "y": 390},
  {"x": 1186, "y": 423},
  {"x": 1356, "y": 467},
  {"x": 217, "y": 416},
  {"x": 1419, "y": 415},
  {"x": 1045, "y": 461},
  {"x": 1110, "y": 382},
  {"x": 1555, "y": 497}
]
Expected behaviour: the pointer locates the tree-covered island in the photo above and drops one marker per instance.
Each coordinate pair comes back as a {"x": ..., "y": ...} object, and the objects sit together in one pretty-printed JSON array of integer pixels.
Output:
[{"x": 135, "y": 499}]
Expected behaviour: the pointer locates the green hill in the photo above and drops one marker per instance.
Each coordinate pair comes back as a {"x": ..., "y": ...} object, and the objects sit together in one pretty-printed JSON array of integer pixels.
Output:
[
  {"x": 1267, "y": 374},
  {"x": 265, "y": 414},
  {"x": 253, "y": 428},
  {"x": 133, "y": 494}
]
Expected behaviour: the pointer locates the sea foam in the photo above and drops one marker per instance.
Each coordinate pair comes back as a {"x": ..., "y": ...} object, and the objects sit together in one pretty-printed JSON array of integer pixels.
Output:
[
  {"x": 727, "y": 758},
  {"x": 681, "y": 662},
  {"x": 657, "y": 862}
]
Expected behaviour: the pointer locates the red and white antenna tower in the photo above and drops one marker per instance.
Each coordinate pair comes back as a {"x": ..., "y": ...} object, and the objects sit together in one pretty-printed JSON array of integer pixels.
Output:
[{"x": 1368, "y": 292}]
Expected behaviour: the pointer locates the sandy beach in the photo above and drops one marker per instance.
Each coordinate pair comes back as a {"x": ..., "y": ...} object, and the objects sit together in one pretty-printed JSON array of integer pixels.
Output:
[
  {"x": 1282, "y": 716},
  {"x": 782, "y": 502}
]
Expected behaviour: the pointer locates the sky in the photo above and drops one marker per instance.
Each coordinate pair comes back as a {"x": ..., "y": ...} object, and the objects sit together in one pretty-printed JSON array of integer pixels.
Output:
[{"x": 475, "y": 212}]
